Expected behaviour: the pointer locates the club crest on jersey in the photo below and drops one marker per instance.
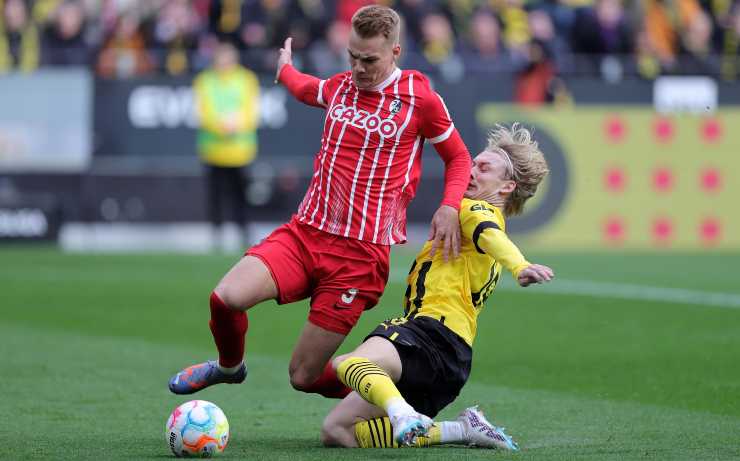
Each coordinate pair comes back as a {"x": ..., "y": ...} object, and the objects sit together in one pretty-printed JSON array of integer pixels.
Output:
[
  {"x": 364, "y": 120},
  {"x": 395, "y": 107}
]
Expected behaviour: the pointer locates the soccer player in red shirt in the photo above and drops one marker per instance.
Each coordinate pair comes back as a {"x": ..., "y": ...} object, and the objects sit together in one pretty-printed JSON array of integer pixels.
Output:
[{"x": 335, "y": 248}]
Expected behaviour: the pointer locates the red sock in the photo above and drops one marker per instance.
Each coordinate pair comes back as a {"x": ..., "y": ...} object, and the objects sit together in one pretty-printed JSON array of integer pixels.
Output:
[
  {"x": 228, "y": 327},
  {"x": 329, "y": 385}
]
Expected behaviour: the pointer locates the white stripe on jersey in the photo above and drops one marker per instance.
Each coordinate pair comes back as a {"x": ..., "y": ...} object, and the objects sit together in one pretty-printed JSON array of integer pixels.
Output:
[
  {"x": 445, "y": 106},
  {"x": 320, "y": 96},
  {"x": 393, "y": 153},
  {"x": 357, "y": 171},
  {"x": 331, "y": 165},
  {"x": 369, "y": 184},
  {"x": 443, "y": 136},
  {"x": 411, "y": 163},
  {"x": 324, "y": 149}
]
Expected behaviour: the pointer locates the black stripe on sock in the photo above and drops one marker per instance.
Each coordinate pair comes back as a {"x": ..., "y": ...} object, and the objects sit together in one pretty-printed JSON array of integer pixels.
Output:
[
  {"x": 365, "y": 374},
  {"x": 381, "y": 442},
  {"x": 372, "y": 436},
  {"x": 349, "y": 375}
]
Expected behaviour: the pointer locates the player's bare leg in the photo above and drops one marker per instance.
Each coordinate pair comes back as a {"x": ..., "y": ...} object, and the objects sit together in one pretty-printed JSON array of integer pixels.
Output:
[
  {"x": 311, "y": 354},
  {"x": 248, "y": 283},
  {"x": 338, "y": 429}
]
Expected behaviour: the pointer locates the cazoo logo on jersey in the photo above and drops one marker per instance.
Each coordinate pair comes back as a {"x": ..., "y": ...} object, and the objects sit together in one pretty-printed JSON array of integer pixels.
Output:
[{"x": 364, "y": 120}]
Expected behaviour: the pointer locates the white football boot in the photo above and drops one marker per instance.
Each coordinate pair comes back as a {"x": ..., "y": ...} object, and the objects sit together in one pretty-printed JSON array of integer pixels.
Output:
[
  {"x": 406, "y": 428},
  {"x": 478, "y": 432}
]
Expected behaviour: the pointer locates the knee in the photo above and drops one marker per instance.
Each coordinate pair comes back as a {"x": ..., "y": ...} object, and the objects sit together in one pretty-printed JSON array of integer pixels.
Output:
[
  {"x": 336, "y": 361},
  {"x": 302, "y": 379},
  {"x": 333, "y": 434},
  {"x": 230, "y": 297}
]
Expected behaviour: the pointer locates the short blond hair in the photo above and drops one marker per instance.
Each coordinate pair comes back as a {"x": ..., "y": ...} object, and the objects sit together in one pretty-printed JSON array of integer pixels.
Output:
[
  {"x": 373, "y": 20},
  {"x": 525, "y": 164}
]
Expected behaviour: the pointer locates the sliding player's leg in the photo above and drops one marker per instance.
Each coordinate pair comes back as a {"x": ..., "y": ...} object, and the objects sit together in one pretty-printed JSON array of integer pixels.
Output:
[
  {"x": 354, "y": 422},
  {"x": 372, "y": 371}
]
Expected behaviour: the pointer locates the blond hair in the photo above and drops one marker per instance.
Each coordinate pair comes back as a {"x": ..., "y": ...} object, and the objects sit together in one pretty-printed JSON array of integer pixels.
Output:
[
  {"x": 373, "y": 20},
  {"x": 526, "y": 165}
]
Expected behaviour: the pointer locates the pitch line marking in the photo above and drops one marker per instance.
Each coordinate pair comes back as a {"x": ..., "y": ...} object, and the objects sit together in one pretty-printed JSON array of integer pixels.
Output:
[{"x": 622, "y": 291}]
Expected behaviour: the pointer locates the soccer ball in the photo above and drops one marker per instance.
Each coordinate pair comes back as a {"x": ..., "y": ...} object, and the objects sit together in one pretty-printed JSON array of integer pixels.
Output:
[{"x": 197, "y": 428}]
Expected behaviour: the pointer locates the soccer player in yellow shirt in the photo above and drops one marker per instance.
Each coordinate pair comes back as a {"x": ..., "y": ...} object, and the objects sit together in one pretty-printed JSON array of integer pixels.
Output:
[{"x": 409, "y": 368}]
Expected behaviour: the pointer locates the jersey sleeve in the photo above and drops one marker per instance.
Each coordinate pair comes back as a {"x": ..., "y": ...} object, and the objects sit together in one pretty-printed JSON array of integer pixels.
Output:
[
  {"x": 436, "y": 123},
  {"x": 304, "y": 87},
  {"x": 484, "y": 228}
]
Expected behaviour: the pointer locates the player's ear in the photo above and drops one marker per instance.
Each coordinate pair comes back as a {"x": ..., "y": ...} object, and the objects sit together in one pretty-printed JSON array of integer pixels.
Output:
[
  {"x": 508, "y": 186},
  {"x": 396, "y": 51}
]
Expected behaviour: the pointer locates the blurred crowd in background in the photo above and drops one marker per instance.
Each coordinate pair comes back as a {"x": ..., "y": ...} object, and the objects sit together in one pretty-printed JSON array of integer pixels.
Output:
[{"x": 531, "y": 38}]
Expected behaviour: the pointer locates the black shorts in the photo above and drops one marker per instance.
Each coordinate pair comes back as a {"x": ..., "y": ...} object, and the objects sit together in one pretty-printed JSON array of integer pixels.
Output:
[{"x": 436, "y": 361}]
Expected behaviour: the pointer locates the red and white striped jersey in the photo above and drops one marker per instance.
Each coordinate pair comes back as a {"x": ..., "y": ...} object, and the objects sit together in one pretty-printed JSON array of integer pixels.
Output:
[{"x": 369, "y": 164}]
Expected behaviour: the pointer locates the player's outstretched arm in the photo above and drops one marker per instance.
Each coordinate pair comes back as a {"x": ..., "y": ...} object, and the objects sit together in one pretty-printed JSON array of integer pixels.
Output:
[
  {"x": 303, "y": 87},
  {"x": 535, "y": 273},
  {"x": 494, "y": 242}
]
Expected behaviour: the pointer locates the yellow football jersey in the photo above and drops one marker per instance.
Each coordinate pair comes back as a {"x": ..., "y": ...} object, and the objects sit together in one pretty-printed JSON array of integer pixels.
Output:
[{"x": 454, "y": 292}]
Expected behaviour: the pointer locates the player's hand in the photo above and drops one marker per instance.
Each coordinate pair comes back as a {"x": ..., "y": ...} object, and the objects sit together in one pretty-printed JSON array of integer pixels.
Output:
[
  {"x": 285, "y": 57},
  {"x": 445, "y": 230},
  {"x": 535, "y": 273}
]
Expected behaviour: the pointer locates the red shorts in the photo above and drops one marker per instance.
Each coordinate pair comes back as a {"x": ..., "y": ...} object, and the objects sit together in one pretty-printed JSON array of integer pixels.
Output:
[{"x": 342, "y": 276}]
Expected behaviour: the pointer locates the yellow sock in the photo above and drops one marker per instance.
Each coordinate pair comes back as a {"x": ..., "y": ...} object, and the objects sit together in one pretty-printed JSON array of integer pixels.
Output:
[
  {"x": 369, "y": 380},
  {"x": 378, "y": 433}
]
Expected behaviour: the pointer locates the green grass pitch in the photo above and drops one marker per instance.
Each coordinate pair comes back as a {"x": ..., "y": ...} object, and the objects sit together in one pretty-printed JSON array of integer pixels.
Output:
[{"x": 89, "y": 341}]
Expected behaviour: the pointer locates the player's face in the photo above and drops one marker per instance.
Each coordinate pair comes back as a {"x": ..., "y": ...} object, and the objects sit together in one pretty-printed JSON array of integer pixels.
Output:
[
  {"x": 489, "y": 177},
  {"x": 372, "y": 59}
]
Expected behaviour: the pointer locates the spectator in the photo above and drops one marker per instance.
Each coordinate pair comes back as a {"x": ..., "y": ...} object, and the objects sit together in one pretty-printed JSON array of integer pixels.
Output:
[
  {"x": 515, "y": 27},
  {"x": 731, "y": 44},
  {"x": 543, "y": 31},
  {"x": 484, "y": 51},
  {"x": 329, "y": 56},
  {"x": 64, "y": 41},
  {"x": 664, "y": 22},
  {"x": 696, "y": 47},
  {"x": 19, "y": 38},
  {"x": 176, "y": 37},
  {"x": 125, "y": 53},
  {"x": 438, "y": 39},
  {"x": 599, "y": 31}
]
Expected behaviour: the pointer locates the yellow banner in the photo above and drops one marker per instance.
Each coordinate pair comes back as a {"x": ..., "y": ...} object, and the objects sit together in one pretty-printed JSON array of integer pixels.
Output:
[{"x": 629, "y": 178}]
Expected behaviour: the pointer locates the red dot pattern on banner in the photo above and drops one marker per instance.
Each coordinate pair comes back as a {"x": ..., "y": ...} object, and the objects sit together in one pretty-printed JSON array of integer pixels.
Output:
[
  {"x": 663, "y": 130},
  {"x": 662, "y": 179},
  {"x": 614, "y": 179},
  {"x": 711, "y": 130},
  {"x": 710, "y": 230},
  {"x": 615, "y": 129},
  {"x": 710, "y": 180},
  {"x": 662, "y": 229},
  {"x": 614, "y": 229}
]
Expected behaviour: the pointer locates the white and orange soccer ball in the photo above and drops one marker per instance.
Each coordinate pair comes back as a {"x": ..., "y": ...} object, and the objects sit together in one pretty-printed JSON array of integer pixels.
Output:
[{"x": 197, "y": 428}]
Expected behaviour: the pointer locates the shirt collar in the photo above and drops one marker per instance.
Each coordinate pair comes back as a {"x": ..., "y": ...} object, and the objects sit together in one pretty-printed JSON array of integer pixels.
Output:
[{"x": 392, "y": 77}]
